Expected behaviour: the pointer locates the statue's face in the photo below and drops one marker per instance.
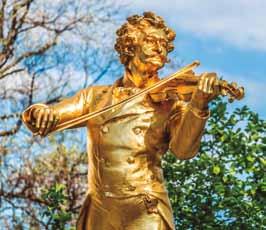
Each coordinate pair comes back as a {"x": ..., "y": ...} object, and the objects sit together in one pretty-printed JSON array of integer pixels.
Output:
[{"x": 151, "y": 51}]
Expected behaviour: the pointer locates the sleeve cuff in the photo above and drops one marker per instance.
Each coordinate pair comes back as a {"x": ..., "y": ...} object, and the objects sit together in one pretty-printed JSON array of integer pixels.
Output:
[{"x": 201, "y": 114}]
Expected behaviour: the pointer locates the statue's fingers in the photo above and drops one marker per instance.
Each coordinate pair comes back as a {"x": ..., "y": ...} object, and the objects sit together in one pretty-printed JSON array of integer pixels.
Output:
[
  {"x": 201, "y": 82},
  {"x": 44, "y": 122},
  {"x": 55, "y": 121},
  {"x": 33, "y": 116},
  {"x": 34, "y": 113},
  {"x": 39, "y": 115},
  {"x": 211, "y": 84},
  {"x": 49, "y": 123},
  {"x": 205, "y": 84}
]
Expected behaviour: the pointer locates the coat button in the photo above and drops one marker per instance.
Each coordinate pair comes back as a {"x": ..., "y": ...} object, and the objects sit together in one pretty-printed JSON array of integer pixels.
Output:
[
  {"x": 131, "y": 188},
  {"x": 131, "y": 160},
  {"x": 105, "y": 129},
  {"x": 137, "y": 130},
  {"x": 107, "y": 163}
]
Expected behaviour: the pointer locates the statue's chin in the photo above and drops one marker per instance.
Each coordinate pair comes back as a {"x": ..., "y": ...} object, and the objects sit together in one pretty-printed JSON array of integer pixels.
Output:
[
  {"x": 154, "y": 65},
  {"x": 155, "y": 61}
]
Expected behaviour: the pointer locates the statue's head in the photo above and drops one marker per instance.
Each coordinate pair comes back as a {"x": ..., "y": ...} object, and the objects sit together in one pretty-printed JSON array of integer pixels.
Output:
[{"x": 144, "y": 41}]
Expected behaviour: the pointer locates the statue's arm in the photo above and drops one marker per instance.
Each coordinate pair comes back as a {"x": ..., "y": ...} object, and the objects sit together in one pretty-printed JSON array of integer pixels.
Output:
[
  {"x": 186, "y": 127},
  {"x": 41, "y": 118},
  {"x": 187, "y": 124}
]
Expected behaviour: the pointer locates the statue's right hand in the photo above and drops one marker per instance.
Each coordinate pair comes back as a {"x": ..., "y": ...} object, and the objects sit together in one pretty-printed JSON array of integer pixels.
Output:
[{"x": 44, "y": 120}]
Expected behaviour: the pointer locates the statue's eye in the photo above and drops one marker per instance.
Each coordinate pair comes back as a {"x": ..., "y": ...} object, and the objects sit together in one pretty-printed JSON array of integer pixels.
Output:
[{"x": 150, "y": 40}]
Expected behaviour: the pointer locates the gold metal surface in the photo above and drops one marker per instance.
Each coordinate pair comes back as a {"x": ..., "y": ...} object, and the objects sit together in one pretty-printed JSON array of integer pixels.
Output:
[
  {"x": 128, "y": 130},
  {"x": 86, "y": 117}
]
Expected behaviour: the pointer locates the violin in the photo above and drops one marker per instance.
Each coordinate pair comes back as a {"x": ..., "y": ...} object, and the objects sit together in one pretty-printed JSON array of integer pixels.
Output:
[
  {"x": 184, "y": 86},
  {"x": 181, "y": 84}
]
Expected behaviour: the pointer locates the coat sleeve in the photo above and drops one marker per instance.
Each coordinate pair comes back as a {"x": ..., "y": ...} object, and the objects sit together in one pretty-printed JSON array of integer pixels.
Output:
[
  {"x": 66, "y": 109},
  {"x": 185, "y": 127}
]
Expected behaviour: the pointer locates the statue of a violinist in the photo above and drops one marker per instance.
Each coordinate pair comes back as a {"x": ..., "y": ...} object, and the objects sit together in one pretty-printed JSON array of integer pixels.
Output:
[{"x": 133, "y": 123}]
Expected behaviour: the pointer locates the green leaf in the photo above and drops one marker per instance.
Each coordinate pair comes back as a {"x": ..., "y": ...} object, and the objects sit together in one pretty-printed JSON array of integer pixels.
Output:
[
  {"x": 216, "y": 170},
  {"x": 250, "y": 158}
]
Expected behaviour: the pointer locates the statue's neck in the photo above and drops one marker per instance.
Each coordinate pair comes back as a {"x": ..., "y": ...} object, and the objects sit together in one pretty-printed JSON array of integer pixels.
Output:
[{"x": 137, "y": 79}]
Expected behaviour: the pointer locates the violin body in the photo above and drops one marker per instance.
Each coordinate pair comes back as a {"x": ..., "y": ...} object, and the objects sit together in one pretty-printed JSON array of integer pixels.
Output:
[
  {"x": 179, "y": 88},
  {"x": 183, "y": 87}
]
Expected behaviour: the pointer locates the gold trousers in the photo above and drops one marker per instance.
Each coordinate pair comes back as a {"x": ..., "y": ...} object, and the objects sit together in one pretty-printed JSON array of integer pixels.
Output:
[{"x": 131, "y": 213}]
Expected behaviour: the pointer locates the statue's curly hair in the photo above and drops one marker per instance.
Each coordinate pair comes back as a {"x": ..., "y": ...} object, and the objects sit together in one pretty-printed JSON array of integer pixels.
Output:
[{"x": 127, "y": 34}]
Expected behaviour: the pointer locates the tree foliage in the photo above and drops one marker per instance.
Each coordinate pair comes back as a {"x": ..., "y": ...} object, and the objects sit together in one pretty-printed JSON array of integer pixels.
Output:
[
  {"x": 224, "y": 187},
  {"x": 47, "y": 192},
  {"x": 48, "y": 50}
]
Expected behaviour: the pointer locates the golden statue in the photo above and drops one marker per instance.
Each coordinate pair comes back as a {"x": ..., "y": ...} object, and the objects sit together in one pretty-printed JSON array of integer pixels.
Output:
[{"x": 131, "y": 124}]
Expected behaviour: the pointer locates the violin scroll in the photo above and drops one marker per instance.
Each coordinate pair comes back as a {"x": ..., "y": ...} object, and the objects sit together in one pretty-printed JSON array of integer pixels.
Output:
[{"x": 231, "y": 90}]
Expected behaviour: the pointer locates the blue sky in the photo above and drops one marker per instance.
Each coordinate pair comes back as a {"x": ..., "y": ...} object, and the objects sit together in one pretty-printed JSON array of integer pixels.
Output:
[{"x": 228, "y": 37}]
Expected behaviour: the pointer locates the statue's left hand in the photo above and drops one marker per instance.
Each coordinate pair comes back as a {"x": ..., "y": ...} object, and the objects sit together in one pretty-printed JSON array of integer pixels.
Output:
[{"x": 205, "y": 91}]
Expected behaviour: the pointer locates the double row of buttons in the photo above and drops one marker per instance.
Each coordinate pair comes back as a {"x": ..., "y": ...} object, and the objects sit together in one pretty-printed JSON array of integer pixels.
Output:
[
  {"x": 130, "y": 160},
  {"x": 106, "y": 162},
  {"x": 105, "y": 129}
]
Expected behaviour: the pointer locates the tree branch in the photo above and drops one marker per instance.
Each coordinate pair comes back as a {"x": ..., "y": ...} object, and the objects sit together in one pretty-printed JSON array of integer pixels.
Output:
[{"x": 2, "y": 18}]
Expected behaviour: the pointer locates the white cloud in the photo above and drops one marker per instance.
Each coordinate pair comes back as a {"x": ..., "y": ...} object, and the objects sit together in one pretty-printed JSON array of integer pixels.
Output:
[{"x": 239, "y": 22}]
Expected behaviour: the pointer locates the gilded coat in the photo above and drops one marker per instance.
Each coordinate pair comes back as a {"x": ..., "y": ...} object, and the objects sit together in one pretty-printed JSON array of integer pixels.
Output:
[{"x": 125, "y": 145}]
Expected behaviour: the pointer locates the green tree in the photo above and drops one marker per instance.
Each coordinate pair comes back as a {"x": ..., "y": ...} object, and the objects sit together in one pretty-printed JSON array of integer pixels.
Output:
[
  {"x": 224, "y": 187},
  {"x": 56, "y": 211}
]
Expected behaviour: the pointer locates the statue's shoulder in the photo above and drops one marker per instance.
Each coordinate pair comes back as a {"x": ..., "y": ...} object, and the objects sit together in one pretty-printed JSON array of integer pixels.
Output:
[
  {"x": 100, "y": 88},
  {"x": 98, "y": 92},
  {"x": 99, "y": 95}
]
